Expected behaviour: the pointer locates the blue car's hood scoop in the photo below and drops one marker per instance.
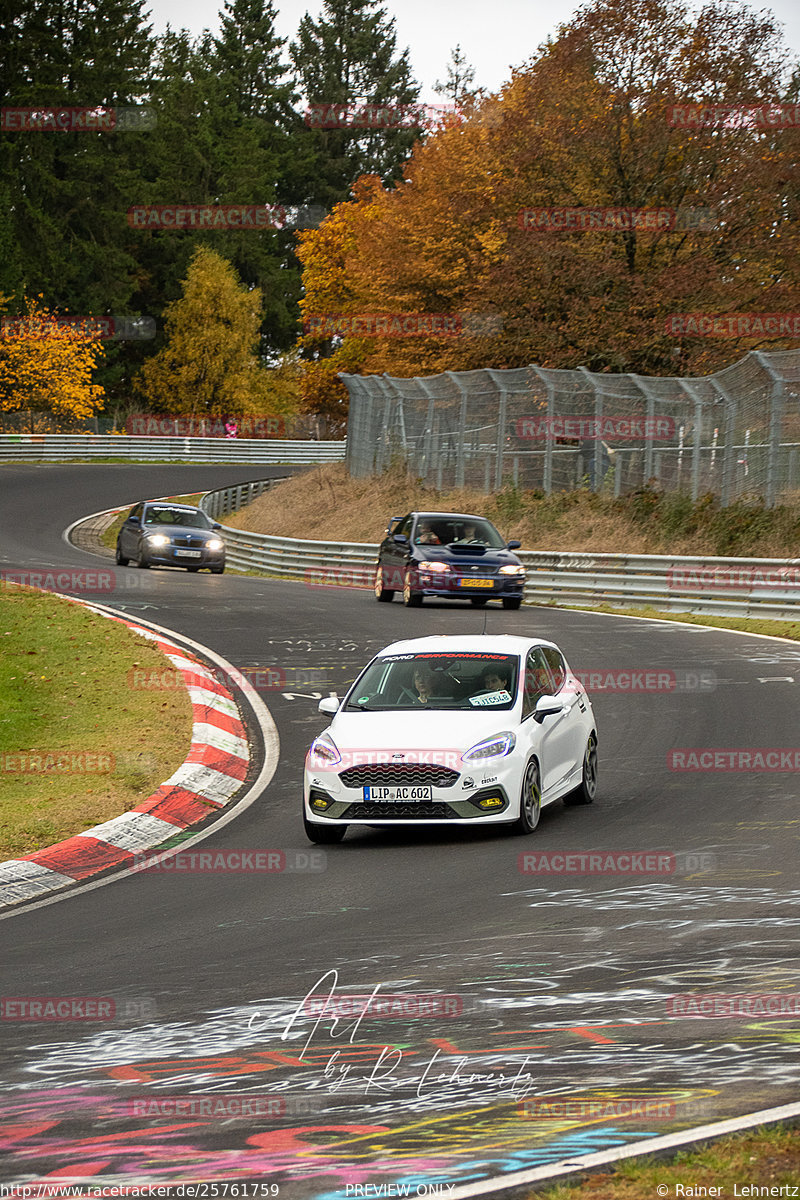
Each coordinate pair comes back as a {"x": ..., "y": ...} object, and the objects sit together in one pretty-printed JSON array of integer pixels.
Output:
[{"x": 471, "y": 550}]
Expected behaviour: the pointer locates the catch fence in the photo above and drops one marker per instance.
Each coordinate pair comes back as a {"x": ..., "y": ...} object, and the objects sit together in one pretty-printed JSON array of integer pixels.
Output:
[{"x": 733, "y": 433}]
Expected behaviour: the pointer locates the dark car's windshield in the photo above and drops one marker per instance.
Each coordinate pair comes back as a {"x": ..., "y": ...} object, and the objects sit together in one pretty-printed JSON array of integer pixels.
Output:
[
  {"x": 193, "y": 519},
  {"x": 464, "y": 680},
  {"x": 433, "y": 530}
]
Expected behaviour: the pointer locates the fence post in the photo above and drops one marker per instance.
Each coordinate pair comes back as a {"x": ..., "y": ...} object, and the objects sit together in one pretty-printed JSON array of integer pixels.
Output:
[
  {"x": 462, "y": 424},
  {"x": 501, "y": 437},
  {"x": 597, "y": 482}
]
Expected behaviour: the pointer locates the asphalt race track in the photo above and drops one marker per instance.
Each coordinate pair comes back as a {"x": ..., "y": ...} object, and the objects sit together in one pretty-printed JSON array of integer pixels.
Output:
[{"x": 547, "y": 1030}]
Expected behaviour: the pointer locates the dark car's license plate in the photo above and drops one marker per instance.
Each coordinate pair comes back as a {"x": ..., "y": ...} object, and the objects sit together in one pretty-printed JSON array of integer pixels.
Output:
[
  {"x": 397, "y": 795},
  {"x": 189, "y": 553}
]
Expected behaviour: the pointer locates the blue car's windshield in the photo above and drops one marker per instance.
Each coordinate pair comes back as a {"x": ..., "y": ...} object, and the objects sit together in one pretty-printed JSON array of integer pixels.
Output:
[
  {"x": 431, "y": 530},
  {"x": 463, "y": 680}
]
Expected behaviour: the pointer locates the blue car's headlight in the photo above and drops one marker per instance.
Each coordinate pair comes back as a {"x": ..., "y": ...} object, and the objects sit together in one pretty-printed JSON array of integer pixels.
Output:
[
  {"x": 512, "y": 570},
  {"x": 215, "y": 544},
  {"x": 494, "y": 747},
  {"x": 157, "y": 539}
]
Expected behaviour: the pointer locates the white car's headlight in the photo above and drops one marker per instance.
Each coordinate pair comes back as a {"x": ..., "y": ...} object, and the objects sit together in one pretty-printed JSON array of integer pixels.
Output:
[
  {"x": 494, "y": 747},
  {"x": 157, "y": 539},
  {"x": 215, "y": 544},
  {"x": 323, "y": 752},
  {"x": 512, "y": 570}
]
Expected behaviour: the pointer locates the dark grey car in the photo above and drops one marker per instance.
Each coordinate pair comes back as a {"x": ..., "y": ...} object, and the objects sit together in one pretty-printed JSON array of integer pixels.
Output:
[{"x": 157, "y": 533}]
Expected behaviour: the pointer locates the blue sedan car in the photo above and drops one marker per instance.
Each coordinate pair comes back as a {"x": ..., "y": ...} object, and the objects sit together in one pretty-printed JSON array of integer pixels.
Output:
[
  {"x": 158, "y": 533},
  {"x": 453, "y": 556}
]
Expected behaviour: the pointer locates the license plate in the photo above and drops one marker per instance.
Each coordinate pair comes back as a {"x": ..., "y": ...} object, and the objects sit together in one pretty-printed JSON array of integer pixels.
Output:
[
  {"x": 477, "y": 582},
  {"x": 189, "y": 553},
  {"x": 397, "y": 795}
]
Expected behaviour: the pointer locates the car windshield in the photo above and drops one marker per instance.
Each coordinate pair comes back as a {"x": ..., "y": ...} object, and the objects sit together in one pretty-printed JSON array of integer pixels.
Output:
[
  {"x": 463, "y": 680},
  {"x": 193, "y": 519},
  {"x": 433, "y": 530}
]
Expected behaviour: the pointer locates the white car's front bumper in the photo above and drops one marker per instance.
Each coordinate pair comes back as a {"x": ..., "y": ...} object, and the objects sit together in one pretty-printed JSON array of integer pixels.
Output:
[{"x": 489, "y": 794}]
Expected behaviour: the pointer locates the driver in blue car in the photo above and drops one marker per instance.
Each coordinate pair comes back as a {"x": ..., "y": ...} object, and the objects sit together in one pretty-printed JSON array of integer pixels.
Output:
[{"x": 426, "y": 536}]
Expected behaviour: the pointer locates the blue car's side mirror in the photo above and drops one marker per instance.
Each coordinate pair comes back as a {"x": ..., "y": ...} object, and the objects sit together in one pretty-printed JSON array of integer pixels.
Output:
[
  {"x": 401, "y": 539},
  {"x": 513, "y": 545}
]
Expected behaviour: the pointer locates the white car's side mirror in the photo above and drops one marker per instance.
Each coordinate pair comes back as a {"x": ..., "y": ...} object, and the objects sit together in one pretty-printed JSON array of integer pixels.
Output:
[
  {"x": 329, "y": 705},
  {"x": 548, "y": 706}
]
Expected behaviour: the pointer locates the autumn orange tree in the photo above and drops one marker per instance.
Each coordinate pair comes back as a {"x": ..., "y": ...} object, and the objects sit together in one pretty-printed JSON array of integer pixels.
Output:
[
  {"x": 209, "y": 364},
  {"x": 46, "y": 364},
  {"x": 584, "y": 123}
]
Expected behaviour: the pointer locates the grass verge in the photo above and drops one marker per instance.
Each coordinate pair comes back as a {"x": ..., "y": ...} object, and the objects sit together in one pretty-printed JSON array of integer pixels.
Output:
[
  {"x": 329, "y": 505},
  {"x": 765, "y": 1158},
  {"x": 93, "y": 744}
]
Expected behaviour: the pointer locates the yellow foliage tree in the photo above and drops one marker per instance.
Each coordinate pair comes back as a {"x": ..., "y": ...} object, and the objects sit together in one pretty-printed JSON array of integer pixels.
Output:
[
  {"x": 46, "y": 364},
  {"x": 209, "y": 365}
]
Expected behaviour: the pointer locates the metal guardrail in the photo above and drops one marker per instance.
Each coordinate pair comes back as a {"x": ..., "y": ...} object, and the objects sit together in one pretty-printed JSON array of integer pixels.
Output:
[
  {"x": 740, "y": 587},
  {"x": 61, "y": 446}
]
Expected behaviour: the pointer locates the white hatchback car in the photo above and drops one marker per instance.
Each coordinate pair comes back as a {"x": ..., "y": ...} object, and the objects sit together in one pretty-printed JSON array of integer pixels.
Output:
[{"x": 452, "y": 731}]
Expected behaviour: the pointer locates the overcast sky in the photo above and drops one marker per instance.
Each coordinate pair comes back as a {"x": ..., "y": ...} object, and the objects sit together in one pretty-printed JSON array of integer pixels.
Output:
[{"x": 494, "y": 34}]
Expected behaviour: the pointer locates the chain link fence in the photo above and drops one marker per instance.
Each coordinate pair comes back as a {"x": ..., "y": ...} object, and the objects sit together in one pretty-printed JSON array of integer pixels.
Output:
[{"x": 733, "y": 433}]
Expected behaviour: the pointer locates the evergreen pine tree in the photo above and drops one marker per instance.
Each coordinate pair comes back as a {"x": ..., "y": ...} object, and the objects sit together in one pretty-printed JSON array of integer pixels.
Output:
[{"x": 349, "y": 57}]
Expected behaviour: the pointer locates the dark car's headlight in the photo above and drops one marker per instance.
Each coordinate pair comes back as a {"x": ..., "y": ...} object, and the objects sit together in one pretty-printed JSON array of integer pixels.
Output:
[
  {"x": 157, "y": 539},
  {"x": 512, "y": 570},
  {"x": 215, "y": 544}
]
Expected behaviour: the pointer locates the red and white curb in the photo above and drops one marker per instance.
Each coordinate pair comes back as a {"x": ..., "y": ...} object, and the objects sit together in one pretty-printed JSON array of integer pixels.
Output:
[{"x": 213, "y": 772}]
